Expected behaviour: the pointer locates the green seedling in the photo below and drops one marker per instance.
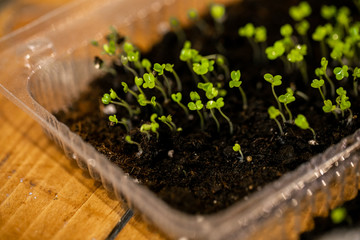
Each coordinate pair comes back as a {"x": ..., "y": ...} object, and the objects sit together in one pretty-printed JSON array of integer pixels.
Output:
[
  {"x": 221, "y": 62},
  {"x": 168, "y": 121},
  {"x": 193, "y": 16},
  {"x": 113, "y": 98},
  {"x": 177, "y": 97},
  {"x": 146, "y": 64},
  {"x": 302, "y": 27},
  {"x": 296, "y": 55},
  {"x": 130, "y": 141},
  {"x": 302, "y": 123},
  {"x": 113, "y": 119},
  {"x": 322, "y": 71},
  {"x": 235, "y": 82},
  {"x": 159, "y": 68},
  {"x": 203, "y": 68},
  {"x": 170, "y": 68},
  {"x": 286, "y": 99},
  {"x": 275, "y": 51},
  {"x": 217, "y": 12},
  {"x": 210, "y": 91},
  {"x": 328, "y": 11},
  {"x": 254, "y": 36},
  {"x": 237, "y": 148},
  {"x": 153, "y": 126},
  {"x": 343, "y": 102},
  {"x": 196, "y": 105},
  {"x": 274, "y": 113},
  {"x": 178, "y": 30},
  {"x": 133, "y": 56},
  {"x": 274, "y": 81},
  {"x": 316, "y": 83},
  {"x": 126, "y": 89},
  {"x": 343, "y": 17},
  {"x": 150, "y": 82},
  {"x": 300, "y": 11},
  {"x": 218, "y": 104},
  {"x": 329, "y": 107},
  {"x": 341, "y": 72},
  {"x": 319, "y": 35}
]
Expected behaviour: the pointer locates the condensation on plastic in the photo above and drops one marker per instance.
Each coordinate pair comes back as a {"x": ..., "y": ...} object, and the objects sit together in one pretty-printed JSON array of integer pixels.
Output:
[{"x": 44, "y": 67}]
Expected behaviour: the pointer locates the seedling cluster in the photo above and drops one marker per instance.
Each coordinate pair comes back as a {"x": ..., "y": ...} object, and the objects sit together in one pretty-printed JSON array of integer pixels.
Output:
[{"x": 155, "y": 86}]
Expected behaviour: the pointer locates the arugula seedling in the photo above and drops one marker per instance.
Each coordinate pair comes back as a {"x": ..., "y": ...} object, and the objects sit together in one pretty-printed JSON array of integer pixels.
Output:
[
  {"x": 322, "y": 71},
  {"x": 343, "y": 102},
  {"x": 341, "y": 72},
  {"x": 196, "y": 105},
  {"x": 274, "y": 113},
  {"x": 170, "y": 68},
  {"x": 217, "y": 12},
  {"x": 237, "y": 148},
  {"x": 115, "y": 99},
  {"x": 159, "y": 68},
  {"x": 218, "y": 104},
  {"x": 176, "y": 97},
  {"x": 176, "y": 27},
  {"x": 302, "y": 123},
  {"x": 316, "y": 83},
  {"x": 130, "y": 141},
  {"x": 153, "y": 126},
  {"x": 300, "y": 11},
  {"x": 296, "y": 55},
  {"x": 356, "y": 76},
  {"x": 286, "y": 99},
  {"x": 146, "y": 64},
  {"x": 235, "y": 82},
  {"x": 168, "y": 121},
  {"x": 150, "y": 82},
  {"x": 203, "y": 68},
  {"x": 274, "y": 81},
  {"x": 193, "y": 16}
]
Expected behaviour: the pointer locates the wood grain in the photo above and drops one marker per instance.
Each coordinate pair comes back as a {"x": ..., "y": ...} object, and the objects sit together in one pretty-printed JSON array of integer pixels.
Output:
[{"x": 44, "y": 195}]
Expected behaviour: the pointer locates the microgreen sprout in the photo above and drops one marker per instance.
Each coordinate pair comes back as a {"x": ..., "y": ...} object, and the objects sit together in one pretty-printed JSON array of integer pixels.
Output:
[
  {"x": 300, "y": 11},
  {"x": 274, "y": 81},
  {"x": 235, "y": 82},
  {"x": 153, "y": 126},
  {"x": 146, "y": 64},
  {"x": 322, "y": 71},
  {"x": 296, "y": 55},
  {"x": 150, "y": 82},
  {"x": 113, "y": 119},
  {"x": 193, "y": 16},
  {"x": 177, "y": 97},
  {"x": 328, "y": 11},
  {"x": 176, "y": 27},
  {"x": 275, "y": 51},
  {"x": 341, "y": 72},
  {"x": 254, "y": 36},
  {"x": 159, "y": 68},
  {"x": 196, "y": 105},
  {"x": 218, "y": 104},
  {"x": 115, "y": 99},
  {"x": 286, "y": 99},
  {"x": 237, "y": 148},
  {"x": 343, "y": 102},
  {"x": 329, "y": 107},
  {"x": 130, "y": 141},
  {"x": 203, "y": 68},
  {"x": 302, "y": 123},
  {"x": 274, "y": 113},
  {"x": 316, "y": 83},
  {"x": 168, "y": 121},
  {"x": 217, "y": 12}
]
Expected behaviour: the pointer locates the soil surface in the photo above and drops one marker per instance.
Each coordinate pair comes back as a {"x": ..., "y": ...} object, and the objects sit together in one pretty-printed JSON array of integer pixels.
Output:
[{"x": 197, "y": 171}]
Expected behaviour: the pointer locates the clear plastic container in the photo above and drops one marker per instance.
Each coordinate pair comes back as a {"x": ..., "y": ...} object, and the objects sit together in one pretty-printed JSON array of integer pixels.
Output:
[{"x": 46, "y": 64}]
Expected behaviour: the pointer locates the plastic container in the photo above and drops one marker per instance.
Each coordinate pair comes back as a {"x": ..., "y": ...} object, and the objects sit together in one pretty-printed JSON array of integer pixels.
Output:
[{"x": 45, "y": 65}]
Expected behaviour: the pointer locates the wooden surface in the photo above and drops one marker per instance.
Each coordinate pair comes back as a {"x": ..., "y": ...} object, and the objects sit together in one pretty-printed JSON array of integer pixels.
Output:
[{"x": 43, "y": 195}]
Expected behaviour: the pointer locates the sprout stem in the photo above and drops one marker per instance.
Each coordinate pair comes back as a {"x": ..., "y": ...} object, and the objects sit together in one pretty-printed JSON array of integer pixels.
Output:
[
  {"x": 332, "y": 86},
  {"x": 276, "y": 97},
  {"x": 279, "y": 125},
  {"x": 227, "y": 119},
  {"x": 215, "y": 119},
  {"x": 178, "y": 81},
  {"x": 201, "y": 119},
  {"x": 289, "y": 112},
  {"x": 243, "y": 95}
]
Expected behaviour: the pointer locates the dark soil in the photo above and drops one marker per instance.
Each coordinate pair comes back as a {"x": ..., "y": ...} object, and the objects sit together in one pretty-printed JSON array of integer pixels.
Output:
[{"x": 197, "y": 171}]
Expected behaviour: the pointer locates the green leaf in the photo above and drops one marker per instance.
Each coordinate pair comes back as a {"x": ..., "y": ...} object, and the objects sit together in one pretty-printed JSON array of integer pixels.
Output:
[
  {"x": 235, "y": 75},
  {"x": 341, "y": 72},
  {"x": 302, "y": 27},
  {"x": 219, "y": 102},
  {"x": 340, "y": 91},
  {"x": 356, "y": 73},
  {"x": 211, "y": 93},
  {"x": 273, "y": 112},
  {"x": 287, "y": 98},
  {"x": 169, "y": 67},
  {"x": 247, "y": 31},
  {"x": 260, "y": 34},
  {"x": 194, "y": 96},
  {"x": 113, "y": 119},
  {"x": 236, "y": 147},
  {"x": 275, "y": 51},
  {"x": 125, "y": 87},
  {"x": 128, "y": 47},
  {"x": 159, "y": 68},
  {"x": 113, "y": 94},
  {"x": 142, "y": 100},
  {"x": 149, "y": 80},
  {"x": 300, "y": 11},
  {"x": 233, "y": 84},
  {"x": 295, "y": 56},
  {"x": 211, "y": 104},
  {"x": 320, "y": 33},
  {"x": 316, "y": 83},
  {"x": 138, "y": 81},
  {"x": 106, "y": 99},
  {"x": 153, "y": 101},
  {"x": 301, "y": 122},
  {"x": 274, "y": 80},
  {"x": 328, "y": 106},
  {"x": 328, "y": 12},
  {"x": 286, "y": 30},
  {"x": 176, "y": 97},
  {"x": 217, "y": 11},
  {"x": 146, "y": 63}
]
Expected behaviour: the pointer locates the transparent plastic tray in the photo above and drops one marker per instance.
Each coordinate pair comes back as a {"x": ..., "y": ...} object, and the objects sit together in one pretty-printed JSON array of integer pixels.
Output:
[{"x": 45, "y": 65}]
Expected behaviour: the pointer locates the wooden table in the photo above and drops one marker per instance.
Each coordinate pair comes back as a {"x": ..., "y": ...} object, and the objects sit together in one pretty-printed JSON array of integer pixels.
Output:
[{"x": 43, "y": 195}]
